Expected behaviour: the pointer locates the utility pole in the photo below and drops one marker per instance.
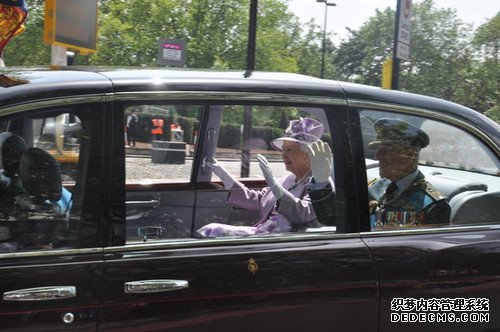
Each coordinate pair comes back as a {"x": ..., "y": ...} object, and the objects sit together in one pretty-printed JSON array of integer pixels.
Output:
[
  {"x": 250, "y": 67},
  {"x": 252, "y": 31},
  {"x": 401, "y": 45},
  {"x": 327, "y": 4},
  {"x": 395, "y": 60}
]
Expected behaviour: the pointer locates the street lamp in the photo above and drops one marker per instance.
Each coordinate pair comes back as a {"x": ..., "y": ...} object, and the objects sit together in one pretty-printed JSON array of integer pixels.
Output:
[{"x": 324, "y": 35}]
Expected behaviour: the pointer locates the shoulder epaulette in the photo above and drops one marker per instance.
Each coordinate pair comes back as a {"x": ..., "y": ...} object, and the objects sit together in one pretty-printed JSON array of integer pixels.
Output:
[{"x": 433, "y": 192}]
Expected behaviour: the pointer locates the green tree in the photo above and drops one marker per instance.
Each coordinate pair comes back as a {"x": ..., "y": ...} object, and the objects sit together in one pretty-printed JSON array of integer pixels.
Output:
[
  {"x": 441, "y": 57},
  {"x": 277, "y": 32},
  {"x": 308, "y": 49},
  {"x": 216, "y": 32},
  {"x": 360, "y": 57},
  {"x": 446, "y": 59},
  {"x": 486, "y": 74},
  {"x": 494, "y": 113},
  {"x": 128, "y": 30}
]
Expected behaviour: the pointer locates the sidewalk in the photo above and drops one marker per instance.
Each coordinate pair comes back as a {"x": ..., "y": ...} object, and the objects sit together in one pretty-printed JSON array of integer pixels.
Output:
[{"x": 144, "y": 149}]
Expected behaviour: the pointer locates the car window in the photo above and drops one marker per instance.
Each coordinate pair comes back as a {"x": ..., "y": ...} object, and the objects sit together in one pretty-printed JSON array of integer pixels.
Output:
[
  {"x": 267, "y": 123},
  {"x": 162, "y": 202},
  {"x": 60, "y": 136},
  {"x": 445, "y": 175},
  {"x": 43, "y": 165},
  {"x": 160, "y": 141}
]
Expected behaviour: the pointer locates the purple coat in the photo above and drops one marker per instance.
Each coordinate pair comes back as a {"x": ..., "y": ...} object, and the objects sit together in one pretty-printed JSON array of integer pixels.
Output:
[{"x": 294, "y": 205}]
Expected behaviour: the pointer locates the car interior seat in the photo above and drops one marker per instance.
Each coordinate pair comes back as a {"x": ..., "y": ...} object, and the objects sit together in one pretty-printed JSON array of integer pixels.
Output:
[
  {"x": 12, "y": 147},
  {"x": 40, "y": 175},
  {"x": 475, "y": 207}
]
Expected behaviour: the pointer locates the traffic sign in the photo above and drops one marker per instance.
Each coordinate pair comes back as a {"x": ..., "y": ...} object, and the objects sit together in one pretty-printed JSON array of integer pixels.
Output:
[
  {"x": 404, "y": 29},
  {"x": 172, "y": 52}
]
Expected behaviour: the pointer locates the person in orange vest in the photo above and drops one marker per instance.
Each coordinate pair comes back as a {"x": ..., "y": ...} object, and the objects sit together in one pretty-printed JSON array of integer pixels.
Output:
[{"x": 157, "y": 130}]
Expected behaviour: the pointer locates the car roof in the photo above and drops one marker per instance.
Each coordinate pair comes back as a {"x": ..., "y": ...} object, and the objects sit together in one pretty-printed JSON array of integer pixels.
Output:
[{"x": 20, "y": 85}]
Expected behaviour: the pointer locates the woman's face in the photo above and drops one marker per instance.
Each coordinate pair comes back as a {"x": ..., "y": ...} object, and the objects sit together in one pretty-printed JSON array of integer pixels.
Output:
[{"x": 295, "y": 159}]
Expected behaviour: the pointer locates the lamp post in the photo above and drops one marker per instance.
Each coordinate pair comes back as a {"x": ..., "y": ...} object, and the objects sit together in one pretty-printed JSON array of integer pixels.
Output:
[{"x": 324, "y": 35}]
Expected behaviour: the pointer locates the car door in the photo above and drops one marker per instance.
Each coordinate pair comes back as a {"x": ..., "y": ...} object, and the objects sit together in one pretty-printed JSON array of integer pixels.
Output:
[
  {"x": 445, "y": 276},
  {"x": 316, "y": 280},
  {"x": 50, "y": 259}
]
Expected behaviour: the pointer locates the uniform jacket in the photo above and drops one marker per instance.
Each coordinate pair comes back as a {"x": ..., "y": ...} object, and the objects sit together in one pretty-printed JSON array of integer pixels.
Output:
[
  {"x": 295, "y": 204},
  {"x": 419, "y": 204}
]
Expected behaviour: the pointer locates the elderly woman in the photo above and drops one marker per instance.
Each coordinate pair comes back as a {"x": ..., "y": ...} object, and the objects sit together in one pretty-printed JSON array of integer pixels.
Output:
[{"x": 285, "y": 204}]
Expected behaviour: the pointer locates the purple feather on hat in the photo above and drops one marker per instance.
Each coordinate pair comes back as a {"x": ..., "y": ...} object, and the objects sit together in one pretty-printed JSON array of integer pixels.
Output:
[{"x": 303, "y": 131}]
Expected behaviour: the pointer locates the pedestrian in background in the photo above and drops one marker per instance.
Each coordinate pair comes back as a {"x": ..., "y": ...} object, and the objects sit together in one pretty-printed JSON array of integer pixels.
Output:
[{"x": 132, "y": 122}]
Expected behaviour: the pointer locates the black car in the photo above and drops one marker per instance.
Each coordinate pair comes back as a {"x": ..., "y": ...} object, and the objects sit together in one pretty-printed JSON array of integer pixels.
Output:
[{"x": 109, "y": 242}]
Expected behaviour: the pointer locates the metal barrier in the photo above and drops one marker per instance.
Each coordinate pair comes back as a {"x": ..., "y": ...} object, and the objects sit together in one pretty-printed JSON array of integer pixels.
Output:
[{"x": 168, "y": 152}]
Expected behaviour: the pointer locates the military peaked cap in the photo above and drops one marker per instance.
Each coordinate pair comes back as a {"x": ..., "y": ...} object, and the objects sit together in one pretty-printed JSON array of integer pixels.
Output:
[{"x": 395, "y": 131}]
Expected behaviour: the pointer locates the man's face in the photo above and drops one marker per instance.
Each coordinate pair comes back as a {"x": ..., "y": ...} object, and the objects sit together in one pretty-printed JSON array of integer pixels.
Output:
[{"x": 396, "y": 161}]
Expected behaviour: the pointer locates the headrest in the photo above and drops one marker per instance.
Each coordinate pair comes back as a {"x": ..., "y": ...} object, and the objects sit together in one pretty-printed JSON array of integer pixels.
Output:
[
  {"x": 475, "y": 207},
  {"x": 41, "y": 175},
  {"x": 12, "y": 147}
]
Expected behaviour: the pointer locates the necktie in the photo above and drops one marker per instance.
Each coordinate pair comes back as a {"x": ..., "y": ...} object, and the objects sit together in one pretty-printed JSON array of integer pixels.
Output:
[{"x": 389, "y": 192}]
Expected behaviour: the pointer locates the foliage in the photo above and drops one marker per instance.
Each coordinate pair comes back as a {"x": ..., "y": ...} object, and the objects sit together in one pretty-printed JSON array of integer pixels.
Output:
[
  {"x": 444, "y": 60},
  {"x": 441, "y": 57},
  {"x": 360, "y": 58},
  {"x": 494, "y": 113},
  {"x": 216, "y": 32},
  {"x": 486, "y": 75},
  {"x": 308, "y": 51}
]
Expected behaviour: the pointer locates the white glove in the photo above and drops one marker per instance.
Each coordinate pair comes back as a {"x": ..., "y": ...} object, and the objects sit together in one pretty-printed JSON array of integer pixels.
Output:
[
  {"x": 321, "y": 159},
  {"x": 275, "y": 186},
  {"x": 221, "y": 172}
]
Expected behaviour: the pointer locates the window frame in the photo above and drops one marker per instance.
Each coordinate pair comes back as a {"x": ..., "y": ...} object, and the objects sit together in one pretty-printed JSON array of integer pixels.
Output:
[
  {"x": 356, "y": 106},
  {"x": 90, "y": 228},
  {"x": 337, "y": 117}
]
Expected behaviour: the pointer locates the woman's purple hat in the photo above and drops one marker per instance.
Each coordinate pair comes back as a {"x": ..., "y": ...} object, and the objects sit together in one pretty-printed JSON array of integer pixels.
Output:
[{"x": 303, "y": 131}]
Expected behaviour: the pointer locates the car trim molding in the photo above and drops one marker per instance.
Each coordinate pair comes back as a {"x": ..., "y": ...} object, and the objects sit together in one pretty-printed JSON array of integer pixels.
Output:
[
  {"x": 71, "y": 100},
  {"x": 55, "y": 252},
  {"x": 207, "y": 243},
  {"x": 197, "y": 243},
  {"x": 236, "y": 96},
  {"x": 214, "y": 242},
  {"x": 430, "y": 230}
]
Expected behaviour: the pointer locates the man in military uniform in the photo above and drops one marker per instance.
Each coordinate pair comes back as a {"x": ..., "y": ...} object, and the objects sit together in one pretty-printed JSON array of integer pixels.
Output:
[{"x": 402, "y": 197}]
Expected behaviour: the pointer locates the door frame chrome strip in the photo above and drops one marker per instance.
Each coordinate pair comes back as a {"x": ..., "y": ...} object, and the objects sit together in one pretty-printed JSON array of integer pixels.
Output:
[
  {"x": 229, "y": 96},
  {"x": 70, "y": 100}
]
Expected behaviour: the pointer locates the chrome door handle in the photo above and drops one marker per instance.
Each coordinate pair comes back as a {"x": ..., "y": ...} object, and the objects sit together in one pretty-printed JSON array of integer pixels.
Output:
[
  {"x": 40, "y": 293},
  {"x": 154, "y": 286},
  {"x": 151, "y": 203}
]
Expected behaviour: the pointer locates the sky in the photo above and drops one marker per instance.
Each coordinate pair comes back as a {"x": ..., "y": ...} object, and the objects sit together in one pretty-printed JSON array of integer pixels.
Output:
[{"x": 353, "y": 13}]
